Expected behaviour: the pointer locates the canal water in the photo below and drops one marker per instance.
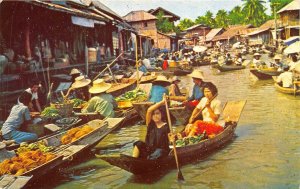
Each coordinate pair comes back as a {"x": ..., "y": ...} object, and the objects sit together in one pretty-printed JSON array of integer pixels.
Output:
[{"x": 264, "y": 154}]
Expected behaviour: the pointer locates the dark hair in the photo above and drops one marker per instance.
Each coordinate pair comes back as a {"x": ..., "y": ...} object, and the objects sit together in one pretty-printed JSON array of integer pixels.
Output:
[
  {"x": 294, "y": 57},
  {"x": 34, "y": 82},
  {"x": 163, "y": 113},
  {"x": 25, "y": 98},
  {"x": 286, "y": 68},
  {"x": 211, "y": 87}
]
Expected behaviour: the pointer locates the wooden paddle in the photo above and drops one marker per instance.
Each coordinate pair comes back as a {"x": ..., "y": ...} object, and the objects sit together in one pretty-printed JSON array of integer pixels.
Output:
[{"x": 179, "y": 174}]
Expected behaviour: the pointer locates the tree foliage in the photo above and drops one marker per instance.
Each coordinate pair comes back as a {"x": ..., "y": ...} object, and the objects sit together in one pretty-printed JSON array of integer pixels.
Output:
[
  {"x": 236, "y": 16},
  {"x": 254, "y": 11},
  {"x": 185, "y": 23},
  {"x": 221, "y": 18},
  {"x": 163, "y": 24},
  {"x": 276, "y": 5}
]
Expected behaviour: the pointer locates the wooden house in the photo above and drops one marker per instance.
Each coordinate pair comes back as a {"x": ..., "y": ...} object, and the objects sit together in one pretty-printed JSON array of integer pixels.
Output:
[
  {"x": 197, "y": 31},
  {"x": 213, "y": 32},
  {"x": 167, "y": 14},
  {"x": 290, "y": 18}
]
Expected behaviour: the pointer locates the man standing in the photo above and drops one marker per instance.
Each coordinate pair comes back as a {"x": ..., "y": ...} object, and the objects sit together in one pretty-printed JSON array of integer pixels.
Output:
[{"x": 34, "y": 106}]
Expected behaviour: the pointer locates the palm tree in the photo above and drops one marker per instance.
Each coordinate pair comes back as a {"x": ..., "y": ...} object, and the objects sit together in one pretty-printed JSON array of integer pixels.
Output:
[
  {"x": 278, "y": 4},
  {"x": 236, "y": 16},
  {"x": 209, "y": 19},
  {"x": 254, "y": 12},
  {"x": 222, "y": 18},
  {"x": 185, "y": 23}
]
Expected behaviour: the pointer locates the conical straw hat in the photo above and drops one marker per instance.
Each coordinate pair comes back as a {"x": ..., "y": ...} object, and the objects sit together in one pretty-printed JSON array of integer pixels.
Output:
[
  {"x": 161, "y": 80},
  {"x": 80, "y": 81},
  {"x": 197, "y": 74},
  {"x": 99, "y": 86},
  {"x": 74, "y": 71}
]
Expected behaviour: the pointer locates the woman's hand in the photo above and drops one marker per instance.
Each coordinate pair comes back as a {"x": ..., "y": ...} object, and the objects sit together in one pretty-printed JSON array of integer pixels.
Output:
[{"x": 207, "y": 105}]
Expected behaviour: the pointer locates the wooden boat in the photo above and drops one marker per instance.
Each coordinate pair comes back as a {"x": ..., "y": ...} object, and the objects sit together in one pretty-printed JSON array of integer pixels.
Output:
[
  {"x": 265, "y": 74},
  {"x": 285, "y": 90},
  {"x": 14, "y": 182},
  {"x": 182, "y": 114},
  {"x": 186, "y": 154},
  {"x": 182, "y": 72},
  {"x": 120, "y": 88},
  {"x": 141, "y": 108},
  {"x": 225, "y": 68},
  {"x": 148, "y": 78}
]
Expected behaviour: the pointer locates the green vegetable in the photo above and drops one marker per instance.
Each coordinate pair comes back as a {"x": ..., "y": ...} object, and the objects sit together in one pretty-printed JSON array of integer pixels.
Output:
[
  {"x": 50, "y": 112},
  {"x": 133, "y": 95}
]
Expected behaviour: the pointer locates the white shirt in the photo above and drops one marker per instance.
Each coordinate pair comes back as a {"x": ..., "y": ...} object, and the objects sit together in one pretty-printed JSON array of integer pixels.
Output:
[
  {"x": 215, "y": 106},
  {"x": 146, "y": 62},
  {"x": 286, "y": 78},
  {"x": 34, "y": 95}
]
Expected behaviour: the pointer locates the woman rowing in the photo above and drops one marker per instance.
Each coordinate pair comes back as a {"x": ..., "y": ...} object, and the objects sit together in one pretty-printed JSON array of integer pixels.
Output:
[
  {"x": 210, "y": 108},
  {"x": 156, "y": 144}
]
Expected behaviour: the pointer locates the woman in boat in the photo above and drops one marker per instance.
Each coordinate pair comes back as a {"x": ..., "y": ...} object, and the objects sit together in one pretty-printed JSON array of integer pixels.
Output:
[
  {"x": 156, "y": 144},
  {"x": 238, "y": 59},
  {"x": 19, "y": 116},
  {"x": 159, "y": 89},
  {"x": 228, "y": 60},
  {"x": 74, "y": 73},
  {"x": 81, "y": 88},
  {"x": 101, "y": 102},
  {"x": 210, "y": 108},
  {"x": 197, "y": 93},
  {"x": 142, "y": 68},
  {"x": 174, "y": 88},
  {"x": 278, "y": 64}
]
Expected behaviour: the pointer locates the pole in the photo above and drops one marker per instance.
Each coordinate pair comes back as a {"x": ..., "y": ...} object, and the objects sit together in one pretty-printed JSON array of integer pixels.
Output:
[
  {"x": 141, "y": 50},
  {"x": 275, "y": 25},
  {"x": 137, "y": 65}
]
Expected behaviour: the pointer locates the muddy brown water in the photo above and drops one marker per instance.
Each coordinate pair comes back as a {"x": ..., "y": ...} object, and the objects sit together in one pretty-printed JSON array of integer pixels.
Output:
[{"x": 264, "y": 154}]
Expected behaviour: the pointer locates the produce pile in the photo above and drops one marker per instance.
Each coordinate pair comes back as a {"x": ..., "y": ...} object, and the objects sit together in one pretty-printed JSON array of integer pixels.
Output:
[
  {"x": 50, "y": 112},
  {"x": 75, "y": 133},
  {"x": 24, "y": 147},
  {"x": 78, "y": 103},
  {"x": 24, "y": 162},
  {"x": 134, "y": 95},
  {"x": 190, "y": 140}
]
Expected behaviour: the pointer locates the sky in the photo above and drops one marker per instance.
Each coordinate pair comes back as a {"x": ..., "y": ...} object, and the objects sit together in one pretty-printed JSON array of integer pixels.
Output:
[{"x": 184, "y": 8}]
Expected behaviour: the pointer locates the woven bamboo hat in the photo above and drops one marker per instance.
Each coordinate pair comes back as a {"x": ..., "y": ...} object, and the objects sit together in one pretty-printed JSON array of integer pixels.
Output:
[
  {"x": 277, "y": 57},
  {"x": 99, "y": 86},
  {"x": 162, "y": 80},
  {"x": 256, "y": 54},
  {"x": 74, "y": 71},
  {"x": 198, "y": 74},
  {"x": 80, "y": 81}
]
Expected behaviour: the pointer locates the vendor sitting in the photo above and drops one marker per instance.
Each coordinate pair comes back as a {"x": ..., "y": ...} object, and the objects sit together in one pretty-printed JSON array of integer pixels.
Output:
[
  {"x": 159, "y": 89},
  {"x": 142, "y": 68},
  {"x": 101, "y": 102},
  {"x": 81, "y": 88},
  {"x": 210, "y": 108},
  {"x": 238, "y": 59},
  {"x": 19, "y": 116},
  {"x": 285, "y": 79},
  {"x": 74, "y": 73},
  {"x": 278, "y": 64},
  {"x": 197, "y": 93}
]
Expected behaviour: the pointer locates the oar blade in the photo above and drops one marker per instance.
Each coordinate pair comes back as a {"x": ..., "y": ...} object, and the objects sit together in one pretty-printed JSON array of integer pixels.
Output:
[{"x": 180, "y": 176}]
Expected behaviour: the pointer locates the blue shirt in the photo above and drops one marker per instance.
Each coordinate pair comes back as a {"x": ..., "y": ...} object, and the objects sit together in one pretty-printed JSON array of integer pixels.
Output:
[
  {"x": 197, "y": 93},
  {"x": 18, "y": 115},
  {"x": 157, "y": 93},
  {"x": 143, "y": 69}
]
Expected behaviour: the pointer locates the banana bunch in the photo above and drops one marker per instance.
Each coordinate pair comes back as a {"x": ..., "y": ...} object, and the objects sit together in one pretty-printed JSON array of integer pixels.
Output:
[{"x": 24, "y": 147}]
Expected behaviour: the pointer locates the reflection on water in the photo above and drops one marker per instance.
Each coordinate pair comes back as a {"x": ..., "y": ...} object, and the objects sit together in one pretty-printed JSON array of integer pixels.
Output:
[{"x": 265, "y": 153}]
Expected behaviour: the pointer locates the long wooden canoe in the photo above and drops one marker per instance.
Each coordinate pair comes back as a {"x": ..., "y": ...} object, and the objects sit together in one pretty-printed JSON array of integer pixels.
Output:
[
  {"x": 120, "y": 88},
  {"x": 148, "y": 78},
  {"x": 225, "y": 68},
  {"x": 186, "y": 154},
  {"x": 264, "y": 74},
  {"x": 13, "y": 182},
  {"x": 286, "y": 90},
  {"x": 182, "y": 72}
]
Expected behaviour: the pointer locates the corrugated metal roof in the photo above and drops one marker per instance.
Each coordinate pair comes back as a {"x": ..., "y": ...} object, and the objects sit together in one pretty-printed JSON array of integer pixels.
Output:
[
  {"x": 106, "y": 9},
  {"x": 294, "y": 5},
  {"x": 212, "y": 34},
  {"x": 152, "y": 11},
  {"x": 140, "y": 15},
  {"x": 69, "y": 10}
]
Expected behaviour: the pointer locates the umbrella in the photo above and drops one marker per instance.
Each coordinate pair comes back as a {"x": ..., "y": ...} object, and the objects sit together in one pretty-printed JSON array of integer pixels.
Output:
[
  {"x": 293, "y": 48},
  {"x": 236, "y": 45},
  {"x": 199, "y": 48}
]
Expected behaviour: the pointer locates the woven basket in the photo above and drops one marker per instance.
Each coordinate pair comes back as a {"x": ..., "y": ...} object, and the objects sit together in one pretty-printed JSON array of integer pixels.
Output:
[{"x": 64, "y": 110}]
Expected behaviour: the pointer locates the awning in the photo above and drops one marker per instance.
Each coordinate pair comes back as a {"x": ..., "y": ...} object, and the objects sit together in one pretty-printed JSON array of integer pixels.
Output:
[
  {"x": 295, "y": 27},
  {"x": 257, "y": 32},
  {"x": 82, "y": 21},
  {"x": 68, "y": 10}
]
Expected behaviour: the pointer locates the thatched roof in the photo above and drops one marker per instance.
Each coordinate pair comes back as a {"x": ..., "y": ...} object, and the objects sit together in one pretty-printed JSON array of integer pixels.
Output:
[
  {"x": 264, "y": 27},
  {"x": 167, "y": 14},
  {"x": 196, "y": 26},
  {"x": 140, "y": 15},
  {"x": 292, "y": 6}
]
